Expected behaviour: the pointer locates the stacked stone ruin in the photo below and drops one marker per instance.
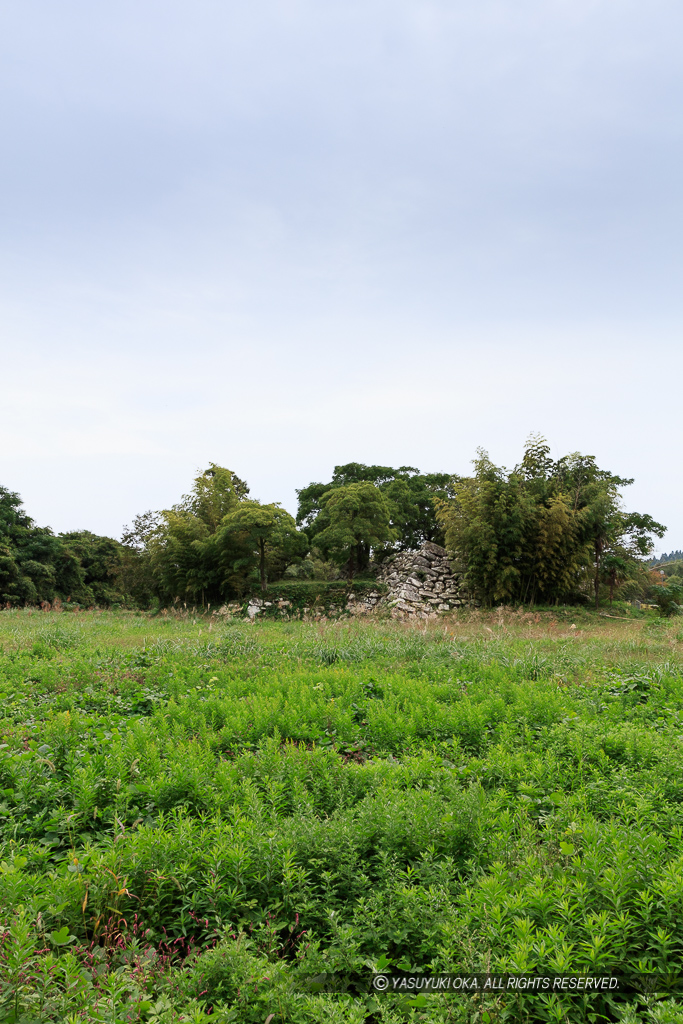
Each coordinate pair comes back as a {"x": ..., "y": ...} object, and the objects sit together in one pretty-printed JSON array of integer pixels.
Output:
[{"x": 421, "y": 583}]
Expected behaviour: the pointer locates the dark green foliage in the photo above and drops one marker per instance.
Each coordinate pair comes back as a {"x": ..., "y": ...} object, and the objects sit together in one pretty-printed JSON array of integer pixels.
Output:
[
  {"x": 214, "y": 545},
  {"x": 258, "y": 537},
  {"x": 353, "y": 520},
  {"x": 37, "y": 567},
  {"x": 547, "y": 531},
  {"x": 183, "y": 562},
  {"x": 13, "y": 519},
  {"x": 134, "y": 573},
  {"x": 409, "y": 494},
  {"x": 28, "y": 573},
  {"x": 667, "y": 594},
  {"x": 100, "y": 559}
]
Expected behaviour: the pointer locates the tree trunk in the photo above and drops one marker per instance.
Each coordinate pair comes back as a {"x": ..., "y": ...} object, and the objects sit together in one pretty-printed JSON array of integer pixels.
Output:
[
  {"x": 262, "y": 548},
  {"x": 351, "y": 564},
  {"x": 598, "y": 552}
]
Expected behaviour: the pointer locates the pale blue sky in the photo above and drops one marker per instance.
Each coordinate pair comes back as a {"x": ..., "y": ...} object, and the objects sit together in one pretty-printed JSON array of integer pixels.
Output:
[{"x": 284, "y": 235}]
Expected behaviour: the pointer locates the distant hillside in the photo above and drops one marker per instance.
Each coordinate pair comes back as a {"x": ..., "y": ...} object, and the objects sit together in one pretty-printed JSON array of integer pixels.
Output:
[{"x": 674, "y": 556}]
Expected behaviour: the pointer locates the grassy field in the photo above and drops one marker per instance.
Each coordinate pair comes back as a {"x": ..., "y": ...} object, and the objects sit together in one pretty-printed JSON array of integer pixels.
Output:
[{"x": 195, "y": 817}]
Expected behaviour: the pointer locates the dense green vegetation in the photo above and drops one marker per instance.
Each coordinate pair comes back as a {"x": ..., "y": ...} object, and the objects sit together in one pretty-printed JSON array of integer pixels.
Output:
[
  {"x": 546, "y": 531},
  {"x": 407, "y": 498},
  {"x": 197, "y": 816},
  {"x": 37, "y": 567},
  {"x": 217, "y": 544}
]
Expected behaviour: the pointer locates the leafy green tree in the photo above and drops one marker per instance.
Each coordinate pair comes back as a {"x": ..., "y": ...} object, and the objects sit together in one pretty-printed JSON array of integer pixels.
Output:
[
  {"x": 12, "y": 515},
  {"x": 537, "y": 532},
  {"x": 23, "y": 580},
  {"x": 491, "y": 528},
  {"x": 667, "y": 593},
  {"x": 177, "y": 559},
  {"x": 215, "y": 493},
  {"x": 23, "y": 583},
  {"x": 181, "y": 556},
  {"x": 36, "y": 566},
  {"x": 205, "y": 547},
  {"x": 353, "y": 520},
  {"x": 99, "y": 558},
  {"x": 611, "y": 532},
  {"x": 618, "y": 569},
  {"x": 410, "y": 498},
  {"x": 134, "y": 573},
  {"x": 257, "y": 534}
]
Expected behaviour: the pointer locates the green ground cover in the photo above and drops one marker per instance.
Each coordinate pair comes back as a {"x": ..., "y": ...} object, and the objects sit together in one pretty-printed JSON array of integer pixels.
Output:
[{"x": 194, "y": 816}]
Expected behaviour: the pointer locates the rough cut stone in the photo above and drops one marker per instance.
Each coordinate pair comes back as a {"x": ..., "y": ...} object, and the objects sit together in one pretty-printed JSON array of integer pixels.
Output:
[{"x": 420, "y": 583}]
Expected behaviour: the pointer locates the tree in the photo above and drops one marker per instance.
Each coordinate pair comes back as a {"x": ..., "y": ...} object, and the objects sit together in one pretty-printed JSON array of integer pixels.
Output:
[
  {"x": 23, "y": 579},
  {"x": 613, "y": 534},
  {"x": 410, "y": 498},
  {"x": 134, "y": 574},
  {"x": 491, "y": 529},
  {"x": 253, "y": 532},
  {"x": 215, "y": 492},
  {"x": 204, "y": 548},
  {"x": 353, "y": 519},
  {"x": 99, "y": 558},
  {"x": 181, "y": 561},
  {"x": 546, "y": 530},
  {"x": 666, "y": 592},
  {"x": 37, "y": 566}
]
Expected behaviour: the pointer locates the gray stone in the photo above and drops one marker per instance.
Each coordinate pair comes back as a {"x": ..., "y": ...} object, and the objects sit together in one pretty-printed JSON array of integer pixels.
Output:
[
  {"x": 429, "y": 548},
  {"x": 419, "y": 583}
]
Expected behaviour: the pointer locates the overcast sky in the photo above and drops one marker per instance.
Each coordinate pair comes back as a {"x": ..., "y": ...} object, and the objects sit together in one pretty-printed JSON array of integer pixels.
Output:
[{"x": 285, "y": 235}]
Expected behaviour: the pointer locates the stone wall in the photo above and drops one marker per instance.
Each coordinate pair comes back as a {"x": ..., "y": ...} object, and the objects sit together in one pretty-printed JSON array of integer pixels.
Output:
[
  {"x": 348, "y": 604},
  {"x": 325, "y": 607},
  {"x": 418, "y": 584},
  {"x": 421, "y": 583}
]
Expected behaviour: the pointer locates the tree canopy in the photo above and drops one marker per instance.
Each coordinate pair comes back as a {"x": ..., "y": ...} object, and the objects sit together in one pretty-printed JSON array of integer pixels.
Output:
[
  {"x": 545, "y": 531},
  {"x": 212, "y": 545},
  {"x": 410, "y": 498},
  {"x": 353, "y": 519},
  {"x": 36, "y": 566},
  {"x": 180, "y": 543},
  {"x": 256, "y": 535}
]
